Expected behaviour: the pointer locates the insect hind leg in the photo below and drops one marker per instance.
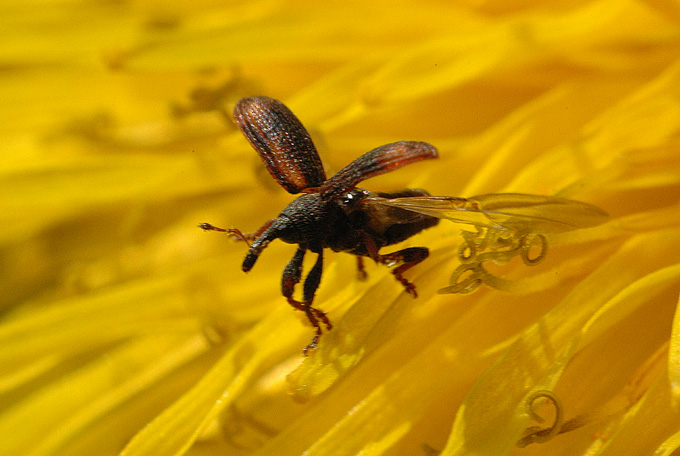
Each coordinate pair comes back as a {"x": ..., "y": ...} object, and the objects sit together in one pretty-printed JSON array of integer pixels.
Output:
[{"x": 406, "y": 259}]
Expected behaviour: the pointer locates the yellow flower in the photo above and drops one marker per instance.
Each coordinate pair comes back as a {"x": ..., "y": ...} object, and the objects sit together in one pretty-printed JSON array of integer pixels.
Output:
[{"x": 127, "y": 330}]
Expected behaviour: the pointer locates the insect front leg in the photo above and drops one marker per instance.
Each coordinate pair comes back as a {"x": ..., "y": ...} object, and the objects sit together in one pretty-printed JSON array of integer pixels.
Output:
[
  {"x": 236, "y": 233},
  {"x": 291, "y": 277},
  {"x": 408, "y": 257},
  {"x": 314, "y": 315}
]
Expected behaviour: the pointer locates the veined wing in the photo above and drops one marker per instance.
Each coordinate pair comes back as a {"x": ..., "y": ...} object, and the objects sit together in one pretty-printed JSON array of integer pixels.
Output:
[{"x": 507, "y": 211}]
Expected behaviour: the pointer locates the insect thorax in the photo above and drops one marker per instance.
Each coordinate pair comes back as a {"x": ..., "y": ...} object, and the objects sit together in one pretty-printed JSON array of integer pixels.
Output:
[{"x": 307, "y": 221}]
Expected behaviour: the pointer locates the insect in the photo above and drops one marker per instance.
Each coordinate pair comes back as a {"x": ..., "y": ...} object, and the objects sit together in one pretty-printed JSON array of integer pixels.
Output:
[{"x": 332, "y": 213}]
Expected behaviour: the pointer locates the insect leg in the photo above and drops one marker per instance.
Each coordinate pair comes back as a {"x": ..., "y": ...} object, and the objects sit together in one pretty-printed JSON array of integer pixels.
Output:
[
  {"x": 236, "y": 233},
  {"x": 313, "y": 314},
  {"x": 313, "y": 279},
  {"x": 361, "y": 271},
  {"x": 291, "y": 277},
  {"x": 262, "y": 229},
  {"x": 371, "y": 247},
  {"x": 408, "y": 257}
]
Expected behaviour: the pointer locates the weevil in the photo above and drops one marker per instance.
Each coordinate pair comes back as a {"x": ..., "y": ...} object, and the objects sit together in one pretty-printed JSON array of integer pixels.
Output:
[{"x": 332, "y": 213}]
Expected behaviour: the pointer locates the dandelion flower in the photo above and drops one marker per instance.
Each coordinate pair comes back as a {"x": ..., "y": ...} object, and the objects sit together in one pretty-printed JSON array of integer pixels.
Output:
[{"x": 127, "y": 330}]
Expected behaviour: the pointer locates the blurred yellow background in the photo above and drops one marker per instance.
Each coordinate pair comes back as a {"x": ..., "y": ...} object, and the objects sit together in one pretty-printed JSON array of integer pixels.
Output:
[{"x": 125, "y": 328}]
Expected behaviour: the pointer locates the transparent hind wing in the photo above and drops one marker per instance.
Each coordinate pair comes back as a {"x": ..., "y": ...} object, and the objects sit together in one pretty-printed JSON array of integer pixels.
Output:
[{"x": 508, "y": 211}]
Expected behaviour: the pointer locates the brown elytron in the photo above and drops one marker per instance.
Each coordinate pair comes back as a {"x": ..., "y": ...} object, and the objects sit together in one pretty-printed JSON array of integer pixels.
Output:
[{"x": 333, "y": 213}]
